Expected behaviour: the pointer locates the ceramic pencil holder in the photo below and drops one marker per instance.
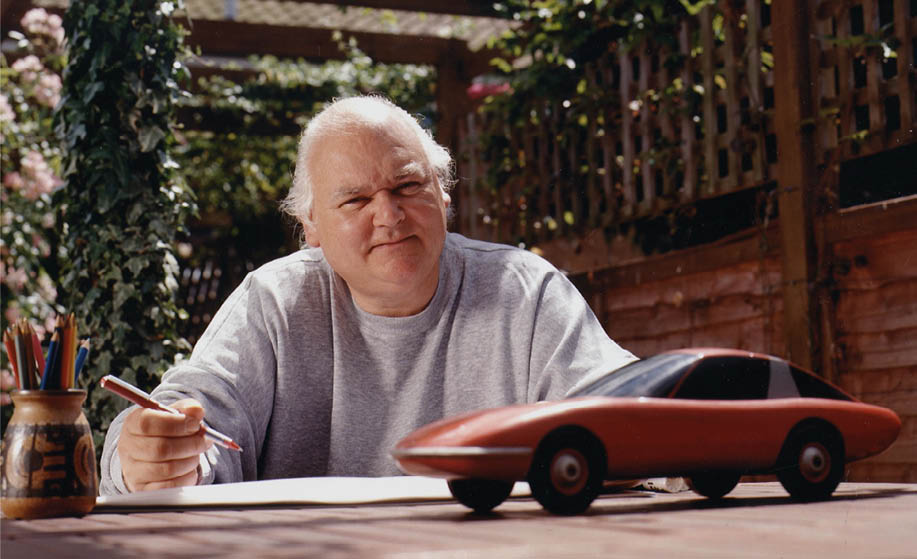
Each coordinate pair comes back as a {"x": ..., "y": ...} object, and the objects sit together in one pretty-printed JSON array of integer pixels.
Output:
[{"x": 48, "y": 460}]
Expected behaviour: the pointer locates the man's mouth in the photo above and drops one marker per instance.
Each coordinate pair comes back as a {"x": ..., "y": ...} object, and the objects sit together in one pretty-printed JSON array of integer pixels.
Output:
[{"x": 393, "y": 243}]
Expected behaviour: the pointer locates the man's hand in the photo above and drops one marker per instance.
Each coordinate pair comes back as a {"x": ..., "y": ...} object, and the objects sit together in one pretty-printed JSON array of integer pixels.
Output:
[{"x": 159, "y": 449}]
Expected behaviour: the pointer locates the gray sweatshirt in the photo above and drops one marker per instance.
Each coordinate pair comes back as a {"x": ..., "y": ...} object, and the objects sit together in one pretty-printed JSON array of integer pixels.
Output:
[{"x": 311, "y": 385}]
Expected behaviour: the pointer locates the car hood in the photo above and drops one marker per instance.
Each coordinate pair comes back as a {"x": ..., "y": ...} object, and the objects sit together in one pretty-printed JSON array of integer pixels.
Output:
[{"x": 490, "y": 426}]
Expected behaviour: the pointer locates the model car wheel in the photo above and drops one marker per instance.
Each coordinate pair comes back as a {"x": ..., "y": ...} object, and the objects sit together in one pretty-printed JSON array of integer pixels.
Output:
[
  {"x": 567, "y": 471},
  {"x": 714, "y": 484},
  {"x": 811, "y": 462},
  {"x": 481, "y": 495}
]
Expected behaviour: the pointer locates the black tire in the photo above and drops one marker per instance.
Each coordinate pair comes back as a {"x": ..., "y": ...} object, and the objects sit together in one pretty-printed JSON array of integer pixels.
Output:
[
  {"x": 567, "y": 471},
  {"x": 480, "y": 495},
  {"x": 714, "y": 485},
  {"x": 811, "y": 463}
]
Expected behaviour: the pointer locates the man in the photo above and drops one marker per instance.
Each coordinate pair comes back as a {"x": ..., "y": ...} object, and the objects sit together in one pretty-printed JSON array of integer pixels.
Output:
[{"x": 321, "y": 361}]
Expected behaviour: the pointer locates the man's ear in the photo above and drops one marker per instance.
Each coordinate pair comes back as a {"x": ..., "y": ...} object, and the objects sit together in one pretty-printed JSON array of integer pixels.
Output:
[{"x": 312, "y": 238}]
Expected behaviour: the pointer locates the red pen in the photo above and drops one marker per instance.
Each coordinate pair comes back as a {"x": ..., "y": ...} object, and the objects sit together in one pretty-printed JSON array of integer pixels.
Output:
[{"x": 142, "y": 399}]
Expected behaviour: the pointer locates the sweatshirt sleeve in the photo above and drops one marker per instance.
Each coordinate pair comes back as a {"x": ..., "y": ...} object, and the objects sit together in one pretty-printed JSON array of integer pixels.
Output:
[
  {"x": 232, "y": 373},
  {"x": 569, "y": 345}
]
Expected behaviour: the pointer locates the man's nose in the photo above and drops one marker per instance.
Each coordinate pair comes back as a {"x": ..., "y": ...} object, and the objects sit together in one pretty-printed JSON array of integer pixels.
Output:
[{"x": 387, "y": 211}]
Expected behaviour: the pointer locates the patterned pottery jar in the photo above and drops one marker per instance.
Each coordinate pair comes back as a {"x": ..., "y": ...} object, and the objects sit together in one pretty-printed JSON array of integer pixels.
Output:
[{"x": 47, "y": 460}]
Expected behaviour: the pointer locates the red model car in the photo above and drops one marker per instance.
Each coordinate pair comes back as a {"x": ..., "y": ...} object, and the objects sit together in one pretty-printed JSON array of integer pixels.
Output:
[{"x": 710, "y": 415}]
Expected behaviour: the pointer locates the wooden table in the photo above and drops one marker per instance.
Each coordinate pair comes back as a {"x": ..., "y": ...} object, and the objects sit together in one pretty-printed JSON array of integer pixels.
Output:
[{"x": 755, "y": 520}]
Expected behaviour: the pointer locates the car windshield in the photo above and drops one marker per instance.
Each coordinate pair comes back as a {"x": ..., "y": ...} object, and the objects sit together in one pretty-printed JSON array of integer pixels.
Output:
[{"x": 652, "y": 377}]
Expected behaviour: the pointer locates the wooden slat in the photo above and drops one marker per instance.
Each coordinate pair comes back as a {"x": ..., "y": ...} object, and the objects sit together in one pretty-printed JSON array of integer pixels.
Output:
[
  {"x": 690, "y": 152},
  {"x": 451, "y": 7},
  {"x": 629, "y": 182},
  {"x": 904, "y": 26},
  {"x": 709, "y": 105}
]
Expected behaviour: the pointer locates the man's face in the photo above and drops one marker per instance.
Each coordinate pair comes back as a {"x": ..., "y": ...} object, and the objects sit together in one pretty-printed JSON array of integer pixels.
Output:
[{"x": 379, "y": 215}]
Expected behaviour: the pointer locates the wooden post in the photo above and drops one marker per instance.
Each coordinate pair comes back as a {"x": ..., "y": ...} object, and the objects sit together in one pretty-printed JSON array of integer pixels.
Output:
[{"x": 797, "y": 178}]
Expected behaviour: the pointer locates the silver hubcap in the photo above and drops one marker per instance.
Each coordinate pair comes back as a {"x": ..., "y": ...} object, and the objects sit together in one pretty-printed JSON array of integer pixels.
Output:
[
  {"x": 814, "y": 462},
  {"x": 567, "y": 469}
]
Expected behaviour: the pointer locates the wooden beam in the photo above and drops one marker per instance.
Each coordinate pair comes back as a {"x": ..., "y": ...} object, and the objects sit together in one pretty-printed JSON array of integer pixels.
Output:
[
  {"x": 797, "y": 179},
  {"x": 872, "y": 220},
  {"x": 451, "y": 7},
  {"x": 749, "y": 245},
  {"x": 229, "y": 38}
]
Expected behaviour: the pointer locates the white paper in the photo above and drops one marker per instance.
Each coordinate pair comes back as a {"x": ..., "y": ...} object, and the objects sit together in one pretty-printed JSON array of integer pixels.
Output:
[{"x": 299, "y": 491}]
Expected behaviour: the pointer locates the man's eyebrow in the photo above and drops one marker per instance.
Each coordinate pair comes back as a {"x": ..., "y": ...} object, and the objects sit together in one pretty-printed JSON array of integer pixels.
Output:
[
  {"x": 346, "y": 192},
  {"x": 412, "y": 169}
]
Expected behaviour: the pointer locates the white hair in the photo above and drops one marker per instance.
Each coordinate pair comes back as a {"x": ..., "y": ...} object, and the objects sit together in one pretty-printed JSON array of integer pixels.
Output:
[{"x": 342, "y": 117}]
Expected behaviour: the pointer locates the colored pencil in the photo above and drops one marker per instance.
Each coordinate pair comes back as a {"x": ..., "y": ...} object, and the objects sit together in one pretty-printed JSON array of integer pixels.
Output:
[
  {"x": 47, "y": 377},
  {"x": 142, "y": 399},
  {"x": 80, "y": 359},
  {"x": 11, "y": 353},
  {"x": 20, "y": 361},
  {"x": 36, "y": 350}
]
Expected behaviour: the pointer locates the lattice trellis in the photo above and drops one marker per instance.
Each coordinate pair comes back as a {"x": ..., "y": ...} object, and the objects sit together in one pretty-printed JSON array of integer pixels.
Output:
[
  {"x": 866, "y": 100},
  {"x": 628, "y": 156}
]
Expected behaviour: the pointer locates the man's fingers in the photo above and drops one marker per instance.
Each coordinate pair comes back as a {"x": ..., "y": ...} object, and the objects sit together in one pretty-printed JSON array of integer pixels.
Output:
[
  {"x": 146, "y": 472},
  {"x": 185, "y": 480},
  {"x": 160, "y": 449},
  {"x": 155, "y": 423}
]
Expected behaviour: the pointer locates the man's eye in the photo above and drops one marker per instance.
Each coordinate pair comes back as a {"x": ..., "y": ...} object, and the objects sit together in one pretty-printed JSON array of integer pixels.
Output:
[
  {"x": 354, "y": 202},
  {"x": 409, "y": 188}
]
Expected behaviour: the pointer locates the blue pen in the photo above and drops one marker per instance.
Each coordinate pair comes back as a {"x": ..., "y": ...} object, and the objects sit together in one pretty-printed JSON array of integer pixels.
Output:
[{"x": 80, "y": 359}]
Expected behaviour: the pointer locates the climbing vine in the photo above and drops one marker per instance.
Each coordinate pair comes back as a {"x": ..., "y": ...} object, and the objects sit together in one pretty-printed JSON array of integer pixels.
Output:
[{"x": 125, "y": 201}]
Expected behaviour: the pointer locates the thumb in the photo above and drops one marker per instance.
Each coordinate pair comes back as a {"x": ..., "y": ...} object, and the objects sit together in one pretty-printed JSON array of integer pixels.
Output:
[{"x": 193, "y": 412}]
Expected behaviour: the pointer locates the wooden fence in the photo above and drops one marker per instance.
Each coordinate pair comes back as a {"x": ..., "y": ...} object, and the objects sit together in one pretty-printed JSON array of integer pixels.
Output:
[{"x": 706, "y": 128}]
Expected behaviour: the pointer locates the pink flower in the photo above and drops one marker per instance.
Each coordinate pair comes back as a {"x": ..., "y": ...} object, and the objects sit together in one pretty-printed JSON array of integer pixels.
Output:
[
  {"x": 15, "y": 278},
  {"x": 29, "y": 68},
  {"x": 13, "y": 181},
  {"x": 12, "y": 313},
  {"x": 6, "y": 111},
  {"x": 38, "y": 176},
  {"x": 38, "y": 22},
  {"x": 48, "y": 90}
]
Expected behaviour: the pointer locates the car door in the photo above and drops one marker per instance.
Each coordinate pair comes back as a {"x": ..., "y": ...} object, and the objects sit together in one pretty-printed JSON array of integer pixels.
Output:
[{"x": 711, "y": 411}]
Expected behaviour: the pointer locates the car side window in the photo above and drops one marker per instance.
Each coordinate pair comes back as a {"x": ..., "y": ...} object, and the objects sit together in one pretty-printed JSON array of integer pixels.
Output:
[
  {"x": 726, "y": 378},
  {"x": 813, "y": 387}
]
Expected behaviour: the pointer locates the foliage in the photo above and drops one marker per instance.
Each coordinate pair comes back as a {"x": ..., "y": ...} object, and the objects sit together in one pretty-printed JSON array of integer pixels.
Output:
[
  {"x": 124, "y": 200},
  {"x": 560, "y": 44},
  {"x": 30, "y": 166}
]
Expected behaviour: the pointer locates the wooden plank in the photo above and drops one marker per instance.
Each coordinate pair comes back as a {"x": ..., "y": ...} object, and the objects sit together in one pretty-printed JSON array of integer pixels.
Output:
[
  {"x": 733, "y": 139},
  {"x": 871, "y": 220},
  {"x": 881, "y": 350},
  {"x": 751, "y": 245},
  {"x": 230, "y": 38},
  {"x": 755, "y": 88},
  {"x": 906, "y": 87},
  {"x": 629, "y": 186},
  {"x": 797, "y": 179},
  {"x": 689, "y": 153},
  {"x": 451, "y": 7},
  {"x": 710, "y": 186},
  {"x": 865, "y": 383}
]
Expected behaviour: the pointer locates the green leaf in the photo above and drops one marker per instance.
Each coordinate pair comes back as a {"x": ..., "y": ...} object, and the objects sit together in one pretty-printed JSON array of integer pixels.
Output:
[{"x": 149, "y": 137}]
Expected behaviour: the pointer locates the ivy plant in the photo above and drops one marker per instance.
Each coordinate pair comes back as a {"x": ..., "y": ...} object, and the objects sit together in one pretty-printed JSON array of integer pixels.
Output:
[{"x": 125, "y": 201}]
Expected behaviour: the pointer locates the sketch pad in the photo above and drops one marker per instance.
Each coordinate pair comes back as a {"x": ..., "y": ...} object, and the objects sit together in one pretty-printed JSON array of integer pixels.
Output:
[{"x": 293, "y": 491}]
